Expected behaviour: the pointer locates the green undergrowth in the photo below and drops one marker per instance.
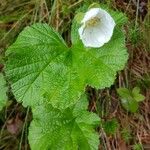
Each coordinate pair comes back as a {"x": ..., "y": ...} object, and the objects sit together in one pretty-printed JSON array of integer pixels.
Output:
[
  {"x": 48, "y": 69},
  {"x": 44, "y": 71}
]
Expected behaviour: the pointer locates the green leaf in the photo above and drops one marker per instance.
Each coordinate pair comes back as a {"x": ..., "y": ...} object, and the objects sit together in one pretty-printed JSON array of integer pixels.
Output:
[
  {"x": 130, "y": 105},
  {"x": 40, "y": 65},
  {"x": 70, "y": 129},
  {"x": 139, "y": 97},
  {"x": 103, "y": 63},
  {"x": 124, "y": 93},
  {"x": 130, "y": 99},
  {"x": 38, "y": 61},
  {"x": 3, "y": 90},
  {"x": 136, "y": 90},
  {"x": 136, "y": 94}
]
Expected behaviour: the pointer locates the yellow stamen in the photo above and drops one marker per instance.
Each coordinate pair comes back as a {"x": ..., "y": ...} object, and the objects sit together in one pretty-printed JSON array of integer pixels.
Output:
[{"x": 91, "y": 23}]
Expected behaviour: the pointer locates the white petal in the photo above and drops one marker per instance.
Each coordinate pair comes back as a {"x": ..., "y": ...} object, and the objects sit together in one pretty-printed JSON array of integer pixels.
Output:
[
  {"x": 99, "y": 34},
  {"x": 91, "y": 37},
  {"x": 90, "y": 14}
]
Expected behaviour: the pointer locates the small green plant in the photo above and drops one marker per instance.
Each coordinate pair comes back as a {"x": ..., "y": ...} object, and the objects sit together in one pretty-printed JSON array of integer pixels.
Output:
[
  {"x": 111, "y": 126},
  {"x": 137, "y": 146},
  {"x": 51, "y": 78},
  {"x": 130, "y": 99},
  {"x": 134, "y": 35},
  {"x": 126, "y": 134}
]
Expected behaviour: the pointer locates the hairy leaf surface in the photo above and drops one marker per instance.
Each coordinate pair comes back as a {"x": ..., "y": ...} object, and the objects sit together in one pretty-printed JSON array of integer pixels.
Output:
[
  {"x": 37, "y": 61},
  {"x": 41, "y": 67},
  {"x": 70, "y": 129}
]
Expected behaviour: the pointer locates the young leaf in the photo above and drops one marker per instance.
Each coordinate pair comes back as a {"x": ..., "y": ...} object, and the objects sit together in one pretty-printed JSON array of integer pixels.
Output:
[
  {"x": 130, "y": 105},
  {"x": 124, "y": 93},
  {"x": 127, "y": 100},
  {"x": 136, "y": 94},
  {"x": 70, "y": 129},
  {"x": 130, "y": 99},
  {"x": 3, "y": 90},
  {"x": 136, "y": 90}
]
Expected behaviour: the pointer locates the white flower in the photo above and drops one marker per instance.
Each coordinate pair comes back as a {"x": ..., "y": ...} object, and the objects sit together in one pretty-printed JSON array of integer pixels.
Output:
[{"x": 97, "y": 28}]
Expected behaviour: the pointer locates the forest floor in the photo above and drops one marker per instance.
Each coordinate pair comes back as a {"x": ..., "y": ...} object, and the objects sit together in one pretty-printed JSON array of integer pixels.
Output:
[{"x": 120, "y": 129}]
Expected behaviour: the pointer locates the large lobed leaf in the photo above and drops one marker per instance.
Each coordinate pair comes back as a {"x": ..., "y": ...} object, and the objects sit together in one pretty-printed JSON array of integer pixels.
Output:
[
  {"x": 36, "y": 63},
  {"x": 70, "y": 129},
  {"x": 40, "y": 65}
]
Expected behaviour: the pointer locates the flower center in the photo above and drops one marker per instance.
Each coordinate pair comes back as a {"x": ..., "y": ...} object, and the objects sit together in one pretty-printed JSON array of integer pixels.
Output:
[{"x": 92, "y": 22}]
